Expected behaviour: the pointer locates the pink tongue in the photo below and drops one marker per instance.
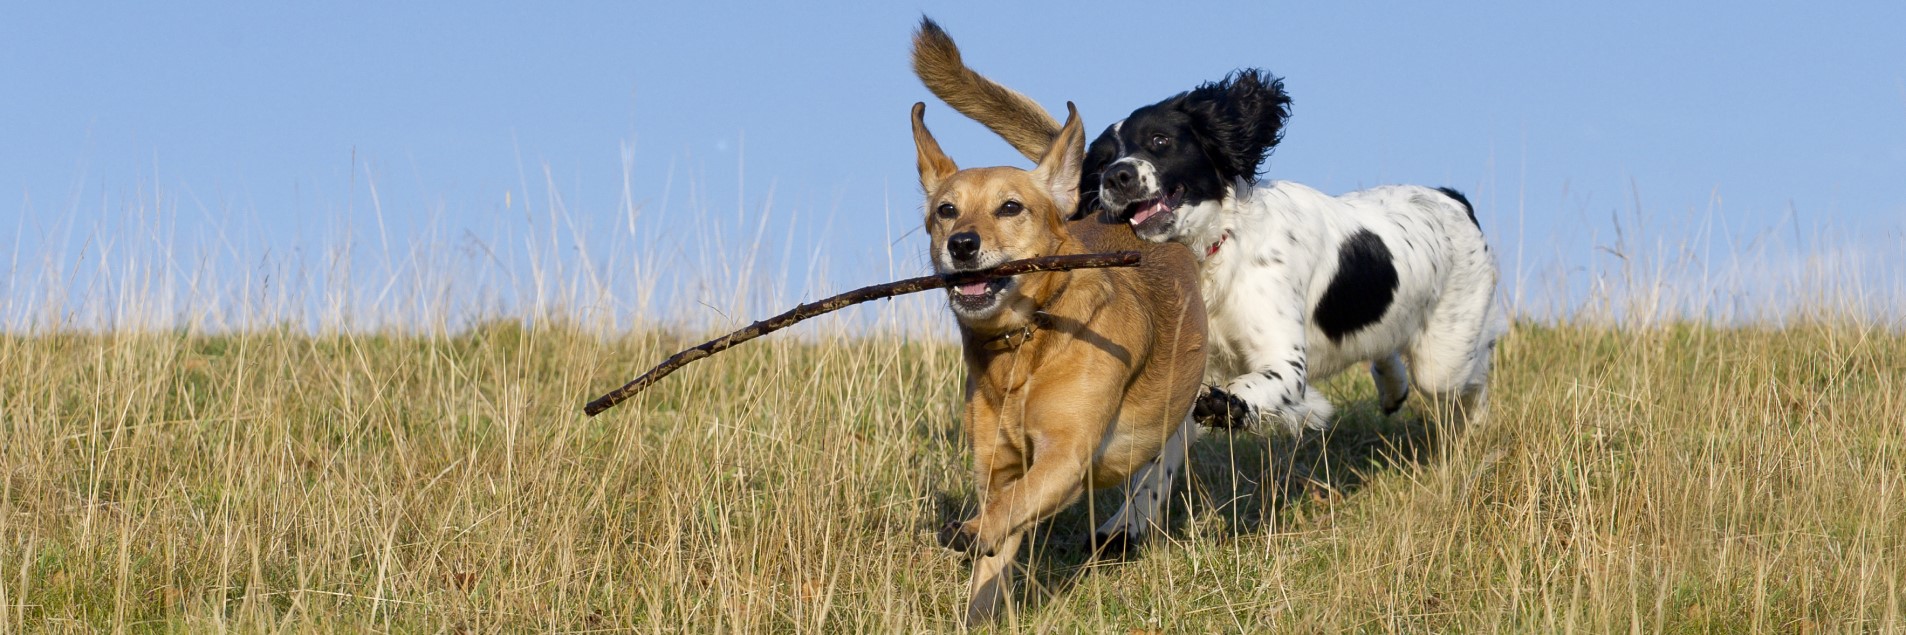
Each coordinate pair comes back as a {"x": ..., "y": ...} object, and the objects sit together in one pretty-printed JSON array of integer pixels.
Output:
[
  {"x": 975, "y": 288},
  {"x": 1149, "y": 210}
]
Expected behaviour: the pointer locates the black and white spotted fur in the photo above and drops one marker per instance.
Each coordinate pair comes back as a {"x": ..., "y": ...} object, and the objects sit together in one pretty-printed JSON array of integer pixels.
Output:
[{"x": 1300, "y": 285}]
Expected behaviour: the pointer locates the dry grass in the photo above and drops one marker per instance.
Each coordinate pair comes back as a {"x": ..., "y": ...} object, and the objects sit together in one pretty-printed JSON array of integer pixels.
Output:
[
  {"x": 1671, "y": 478},
  {"x": 376, "y": 467}
]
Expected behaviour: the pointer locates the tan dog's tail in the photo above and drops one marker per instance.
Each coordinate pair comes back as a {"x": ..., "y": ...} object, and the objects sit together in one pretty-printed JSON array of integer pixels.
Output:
[{"x": 1020, "y": 120}]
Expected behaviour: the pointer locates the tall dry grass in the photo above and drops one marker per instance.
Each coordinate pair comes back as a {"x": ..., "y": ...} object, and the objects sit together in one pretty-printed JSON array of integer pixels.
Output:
[{"x": 395, "y": 462}]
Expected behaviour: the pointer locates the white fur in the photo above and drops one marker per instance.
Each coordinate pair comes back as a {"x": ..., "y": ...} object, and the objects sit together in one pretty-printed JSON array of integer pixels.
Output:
[
  {"x": 1279, "y": 254},
  {"x": 1147, "y": 489}
]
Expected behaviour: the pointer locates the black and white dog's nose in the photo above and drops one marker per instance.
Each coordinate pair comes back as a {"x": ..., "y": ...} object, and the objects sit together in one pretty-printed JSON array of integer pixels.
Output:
[
  {"x": 1122, "y": 176},
  {"x": 963, "y": 246}
]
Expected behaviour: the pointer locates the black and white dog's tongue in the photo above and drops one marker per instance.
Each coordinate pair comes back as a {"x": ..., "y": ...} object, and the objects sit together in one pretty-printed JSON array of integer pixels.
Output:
[
  {"x": 1160, "y": 205},
  {"x": 1150, "y": 209}
]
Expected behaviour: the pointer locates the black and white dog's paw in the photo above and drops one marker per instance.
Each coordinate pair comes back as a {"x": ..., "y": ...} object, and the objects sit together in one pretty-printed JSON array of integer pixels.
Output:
[
  {"x": 1216, "y": 408},
  {"x": 1395, "y": 404},
  {"x": 1119, "y": 544}
]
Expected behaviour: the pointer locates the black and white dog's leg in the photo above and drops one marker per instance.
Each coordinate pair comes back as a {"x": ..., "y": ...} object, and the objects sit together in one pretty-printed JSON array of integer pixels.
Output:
[
  {"x": 1393, "y": 382},
  {"x": 1147, "y": 492},
  {"x": 1472, "y": 399},
  {"x": 1451, "y": 362},
  {"x": 1275, "y": 389}
]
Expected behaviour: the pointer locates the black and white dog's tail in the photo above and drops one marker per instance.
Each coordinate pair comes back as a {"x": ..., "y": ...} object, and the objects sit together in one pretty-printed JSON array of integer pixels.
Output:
[
  {"x": 1017, "y": 118},
  {"x": 1464, "y": 200}
]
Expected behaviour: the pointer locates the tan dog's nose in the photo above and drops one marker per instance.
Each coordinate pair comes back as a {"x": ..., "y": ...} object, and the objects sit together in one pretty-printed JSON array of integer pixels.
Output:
[{"x": 963, "y": 246}]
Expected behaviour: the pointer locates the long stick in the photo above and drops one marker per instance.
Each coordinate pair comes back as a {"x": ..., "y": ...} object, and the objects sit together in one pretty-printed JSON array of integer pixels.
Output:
[{"x": 850, "y": 298}]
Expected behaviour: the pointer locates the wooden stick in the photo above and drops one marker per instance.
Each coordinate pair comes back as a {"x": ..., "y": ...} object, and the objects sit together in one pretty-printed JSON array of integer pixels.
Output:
[{"x": 850, "y": 298}]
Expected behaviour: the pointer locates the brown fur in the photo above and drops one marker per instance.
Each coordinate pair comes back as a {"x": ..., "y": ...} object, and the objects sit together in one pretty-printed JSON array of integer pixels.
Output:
[
  {"x": 1093, "y": 394},
  {"x": 1020, "y": 120}
]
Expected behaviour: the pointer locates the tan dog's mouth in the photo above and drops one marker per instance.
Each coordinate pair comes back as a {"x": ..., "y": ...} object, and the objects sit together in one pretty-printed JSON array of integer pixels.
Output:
[{"x": 978, "y": 296}]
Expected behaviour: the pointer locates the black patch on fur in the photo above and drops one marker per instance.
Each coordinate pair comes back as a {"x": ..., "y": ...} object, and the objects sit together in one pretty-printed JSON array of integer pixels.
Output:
[
  {"x": 1452, "y": 193},
  {"x": 1362, "y": 290}
]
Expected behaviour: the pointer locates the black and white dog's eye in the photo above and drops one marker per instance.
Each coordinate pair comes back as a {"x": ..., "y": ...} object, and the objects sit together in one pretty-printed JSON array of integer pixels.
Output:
[
  {"x": 1011, "y": 208},
  {"x": 1160, "y": 141},
  {"x": 946, "y": 210}
]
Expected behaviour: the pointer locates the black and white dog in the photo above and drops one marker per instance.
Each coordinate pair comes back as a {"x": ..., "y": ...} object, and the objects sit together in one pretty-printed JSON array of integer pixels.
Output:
[
  {"x": 1301, "y": 285},
  {"x": 1298, "y": 285}
]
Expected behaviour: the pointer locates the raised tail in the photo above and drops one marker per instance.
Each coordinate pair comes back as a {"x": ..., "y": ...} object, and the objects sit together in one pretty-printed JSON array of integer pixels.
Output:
[
  {"x": 1458, "y": 197},
  {"x": 1017, "y": 118}
]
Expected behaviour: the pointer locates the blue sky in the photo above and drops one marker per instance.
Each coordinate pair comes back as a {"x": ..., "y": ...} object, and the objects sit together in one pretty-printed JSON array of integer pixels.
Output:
[{"x": 265, "y": 124}]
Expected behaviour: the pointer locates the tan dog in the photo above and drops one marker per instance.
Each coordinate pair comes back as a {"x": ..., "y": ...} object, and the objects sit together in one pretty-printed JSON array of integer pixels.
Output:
[{"x": 1077, "y": 379}]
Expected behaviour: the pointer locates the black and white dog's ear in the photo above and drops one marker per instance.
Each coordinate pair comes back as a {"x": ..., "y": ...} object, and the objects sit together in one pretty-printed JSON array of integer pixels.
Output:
[{"x": 1239, "y": 119}]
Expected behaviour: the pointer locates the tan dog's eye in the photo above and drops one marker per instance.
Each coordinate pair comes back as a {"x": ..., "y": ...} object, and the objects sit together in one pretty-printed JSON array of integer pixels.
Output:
[
  {"x": 1010, "y": 208},
  {"x": 946, "y": 210},
  {"x": 1160, "y": 141}
]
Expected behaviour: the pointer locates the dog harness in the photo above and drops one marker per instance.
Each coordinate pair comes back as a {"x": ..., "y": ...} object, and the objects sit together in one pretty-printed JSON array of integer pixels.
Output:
[{"x": 1015, "y": 338}]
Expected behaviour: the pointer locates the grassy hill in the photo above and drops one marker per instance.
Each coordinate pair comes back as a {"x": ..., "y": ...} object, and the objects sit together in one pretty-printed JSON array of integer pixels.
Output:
[{"x": 1679, "y": 478}]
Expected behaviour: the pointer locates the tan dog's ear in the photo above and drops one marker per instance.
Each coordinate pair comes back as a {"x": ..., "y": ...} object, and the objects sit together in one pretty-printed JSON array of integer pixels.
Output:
[
  {"x": 1059, "y": 170},
  {"x": 934, "y": 164}
]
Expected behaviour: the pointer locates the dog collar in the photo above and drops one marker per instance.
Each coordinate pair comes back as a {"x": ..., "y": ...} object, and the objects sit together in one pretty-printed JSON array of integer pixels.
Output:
[
  {"x": 1213, "y": 249},
  {"x": 1015, "y": 338}
]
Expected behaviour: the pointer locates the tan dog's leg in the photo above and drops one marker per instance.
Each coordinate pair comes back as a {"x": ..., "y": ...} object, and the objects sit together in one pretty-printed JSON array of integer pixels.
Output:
[
  {"x": 1147, "y": 492},
  {"x": 998, "y": 461},
  {"x": 1057, "y": 476},
  {"x": 1064, "y": 423},
  {"x": 999, "y": 465},
  {"x": 1062, "y": 448},
  {"x": 992, "y": 579}
]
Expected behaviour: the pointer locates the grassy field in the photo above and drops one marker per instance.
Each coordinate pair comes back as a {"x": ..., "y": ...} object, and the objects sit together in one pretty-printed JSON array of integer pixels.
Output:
[{"x": 1674, "y": 478}]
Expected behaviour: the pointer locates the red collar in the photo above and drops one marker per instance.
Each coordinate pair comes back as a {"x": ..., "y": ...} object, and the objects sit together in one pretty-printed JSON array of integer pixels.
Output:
[{"x": 1213, "y": 249}]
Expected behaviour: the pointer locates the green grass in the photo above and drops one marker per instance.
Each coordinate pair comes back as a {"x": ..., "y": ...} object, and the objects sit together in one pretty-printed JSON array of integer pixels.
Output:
[{"x": 1677, "y": 478}]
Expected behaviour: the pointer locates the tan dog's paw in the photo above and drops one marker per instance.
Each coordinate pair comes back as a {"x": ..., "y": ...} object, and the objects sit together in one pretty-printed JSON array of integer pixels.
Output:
[
  {"x": 958, "y": 536},
  {"x": 970, "y": 538}
]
